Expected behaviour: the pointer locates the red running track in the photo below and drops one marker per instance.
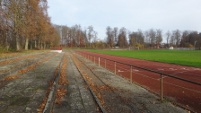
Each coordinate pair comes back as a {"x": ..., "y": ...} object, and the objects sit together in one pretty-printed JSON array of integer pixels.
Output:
[{"x": 183, "y": 93}]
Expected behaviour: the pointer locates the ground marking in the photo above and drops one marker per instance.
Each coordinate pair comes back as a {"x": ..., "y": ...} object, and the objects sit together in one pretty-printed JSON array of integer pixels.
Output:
[
  {"x": 135, "y": 70},
  {"x": 172, "y": 69},
  {"x": 120, "y": 71},
  {"x": 185, "y": 68},
  {"x": 197, "y": 69}
]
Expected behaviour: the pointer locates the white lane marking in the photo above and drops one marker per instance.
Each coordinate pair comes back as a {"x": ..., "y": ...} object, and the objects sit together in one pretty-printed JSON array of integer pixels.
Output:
[
  {"x": 197, "y": 69},
  {"x": 172, "y": 69},
  {"x": 184, "y": 68},
  {"x": 120, "y": 71},
  {"x": 135, "y": 70}
]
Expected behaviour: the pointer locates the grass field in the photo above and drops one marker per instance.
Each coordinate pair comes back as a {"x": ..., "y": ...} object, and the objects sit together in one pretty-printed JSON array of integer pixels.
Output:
[{"x": 181, "y": 57}]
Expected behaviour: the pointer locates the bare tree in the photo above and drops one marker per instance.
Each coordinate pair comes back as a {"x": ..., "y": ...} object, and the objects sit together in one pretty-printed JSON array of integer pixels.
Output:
[
  {"x": 177, "y": 37},
  {"x": 95, "y": 36},
  {"x": 90, "y": 34},
  {"x": 146, "y": 34},
  {"x": 172, "y": 41},
  {"x": 159, "y": 38},
  {"x": 168, "y": 34},
  {"x": 140, "y": 37},
  {"x": 152, "y": 37},
  {"x": 184, "y": 39},
  {"x": 136, "y": 39},
  {"x": 110, "y": 37},
  {"x": 122, "y": 39},
  {"x": 115, "y": 35}
]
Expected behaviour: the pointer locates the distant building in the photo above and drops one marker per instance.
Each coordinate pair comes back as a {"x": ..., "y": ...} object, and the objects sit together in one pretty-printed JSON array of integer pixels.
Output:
[{"x": 171, "y": 47}]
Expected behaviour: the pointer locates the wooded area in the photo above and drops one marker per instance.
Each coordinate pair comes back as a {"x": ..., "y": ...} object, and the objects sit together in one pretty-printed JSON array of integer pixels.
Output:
[{"x": 24, "y": 24}]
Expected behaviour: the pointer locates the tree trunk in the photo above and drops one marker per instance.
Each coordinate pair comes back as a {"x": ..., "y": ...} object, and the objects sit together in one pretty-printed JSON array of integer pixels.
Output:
[
  {"x": 7, "y": 47},
  {"x": 31, "y": 45},
  {"x": 41, "y": 45},
  {"x": 17, "y": 43},
  {"x": 27, "y": 44},
  {"x": 35, "y": 44},
  {"x": 44, "y": 45}
]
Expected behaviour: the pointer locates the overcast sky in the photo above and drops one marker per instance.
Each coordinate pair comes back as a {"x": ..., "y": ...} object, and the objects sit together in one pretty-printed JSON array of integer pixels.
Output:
[{"x": 131, "y": 14}]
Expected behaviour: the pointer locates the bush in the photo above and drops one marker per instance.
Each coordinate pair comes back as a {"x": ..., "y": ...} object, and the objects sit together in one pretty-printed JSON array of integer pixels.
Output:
[
  {"x": 2, "y": 49},
  {"x": 140, "y": 46},
  {"x": 190, "y": 46}
]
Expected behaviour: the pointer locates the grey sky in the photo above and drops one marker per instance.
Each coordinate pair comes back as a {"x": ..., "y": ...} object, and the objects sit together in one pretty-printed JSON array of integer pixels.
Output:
[{"x": 131, "y": 14}]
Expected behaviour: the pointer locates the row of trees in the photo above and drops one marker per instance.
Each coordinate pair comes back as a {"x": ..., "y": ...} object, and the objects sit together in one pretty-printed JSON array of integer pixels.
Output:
[
  {"x": 152, "y": 38},
  {"x": 190, "y": 39},
  {"x": 75, "y": 36},
  {"x": 24, "y": 24}
]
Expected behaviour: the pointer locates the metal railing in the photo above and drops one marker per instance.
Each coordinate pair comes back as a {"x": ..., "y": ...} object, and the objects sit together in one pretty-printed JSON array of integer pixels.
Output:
[{"x": 185, "y": 85}]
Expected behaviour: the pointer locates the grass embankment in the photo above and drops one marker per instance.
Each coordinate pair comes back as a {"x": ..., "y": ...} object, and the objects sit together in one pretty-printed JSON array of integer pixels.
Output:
[{"x": 181, "y": 57}]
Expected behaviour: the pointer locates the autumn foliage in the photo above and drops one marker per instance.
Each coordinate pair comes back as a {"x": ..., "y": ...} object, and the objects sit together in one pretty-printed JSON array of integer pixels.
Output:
[
  {"x": 61, "y": 91},
  {"x": 25, "y": 24}
]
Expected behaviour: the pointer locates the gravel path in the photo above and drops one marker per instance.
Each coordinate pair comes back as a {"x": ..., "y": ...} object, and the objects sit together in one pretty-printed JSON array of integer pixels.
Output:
[
  {"x": 13, "y": 65},
  {"x": 78, "y": 98},
  {"x": 26, "y": 93}
]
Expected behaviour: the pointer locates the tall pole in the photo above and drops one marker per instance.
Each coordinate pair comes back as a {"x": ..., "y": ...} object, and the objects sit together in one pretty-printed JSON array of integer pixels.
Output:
[{"x": 61, "y": 35}]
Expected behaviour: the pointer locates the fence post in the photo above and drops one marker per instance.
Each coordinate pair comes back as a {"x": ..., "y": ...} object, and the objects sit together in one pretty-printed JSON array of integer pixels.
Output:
[
  {"x": 105, "y": 63},
  {"x": 131, "y": 73},
  {"x": 99, "y": 61},
  {"x": 161, "y": 86},
  {"x": 115, "y": 68}
]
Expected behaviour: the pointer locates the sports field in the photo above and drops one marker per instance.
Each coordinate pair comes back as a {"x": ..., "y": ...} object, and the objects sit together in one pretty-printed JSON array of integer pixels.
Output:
[{"x": 181, "y": 57}]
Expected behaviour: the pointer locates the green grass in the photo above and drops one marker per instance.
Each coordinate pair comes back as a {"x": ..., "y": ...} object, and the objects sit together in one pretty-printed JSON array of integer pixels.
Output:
[{"x": 180, "y": 57}]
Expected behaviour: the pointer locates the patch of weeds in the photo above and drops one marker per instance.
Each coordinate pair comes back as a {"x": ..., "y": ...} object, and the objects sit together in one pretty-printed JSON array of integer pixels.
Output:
[
  {"x": 19, "y": 100},
  {"x": 4, "y": 98},
  {"x": 41, "y": 88},
  {"x": 40, "y": 77}
]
